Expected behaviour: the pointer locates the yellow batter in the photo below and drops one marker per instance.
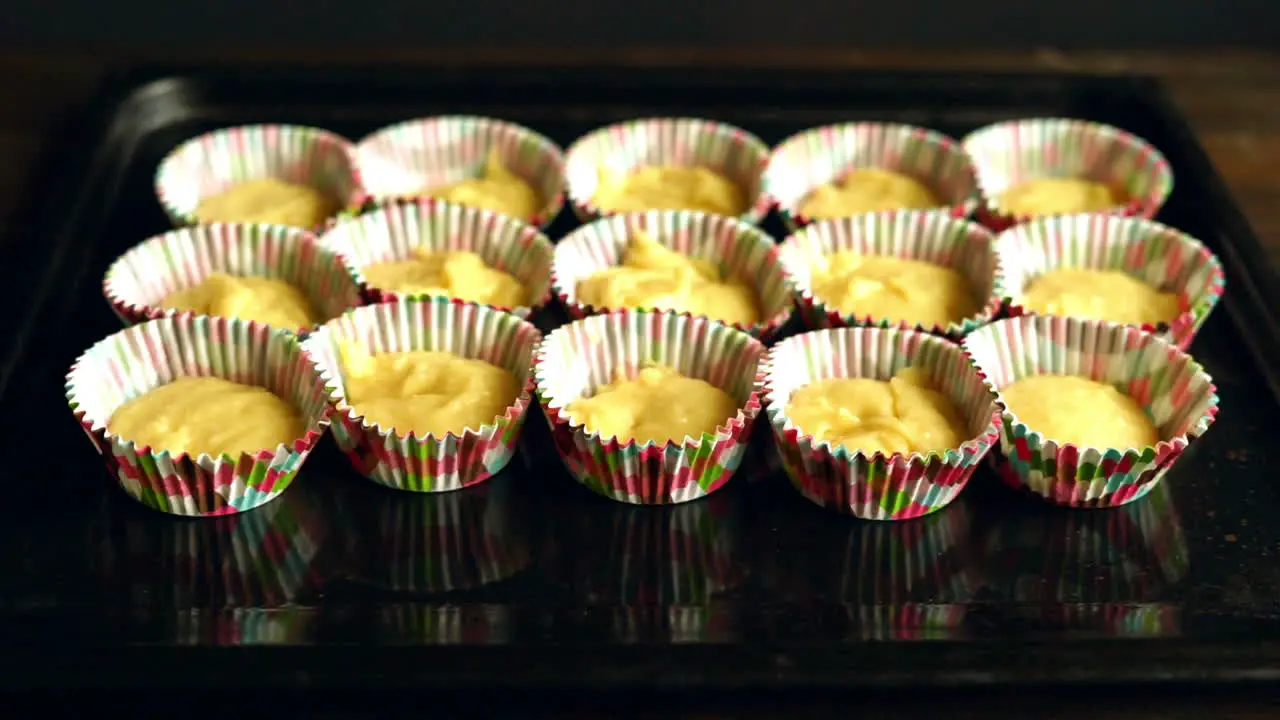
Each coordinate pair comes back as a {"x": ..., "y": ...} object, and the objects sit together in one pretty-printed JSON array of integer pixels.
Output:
[
  {"x": 669, "y": 188},
  {"x": 456, "y": 274},
  {"x": 425, "y": 392},
  {"x": 269, "y": 200},
  {"x": 1075, "y": 410},
  {"x": 1058, "y": 195},
  {"x": 264, "y": 300},
  {"x": 904, "y": 415},
  {"x": 207, "y": 415},
  {"x": 659, "y": 405},
  {"x": 891, "y": 288},
  {"x": 1100, "y": 295},
  {"x": 654, "y": 276},
  {"x": 867, "y": 190},
  {"x": 499, "y": 190}
]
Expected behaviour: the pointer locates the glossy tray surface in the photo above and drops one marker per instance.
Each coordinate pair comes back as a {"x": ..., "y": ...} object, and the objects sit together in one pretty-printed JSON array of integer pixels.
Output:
[{"x": 530, "y": 580}]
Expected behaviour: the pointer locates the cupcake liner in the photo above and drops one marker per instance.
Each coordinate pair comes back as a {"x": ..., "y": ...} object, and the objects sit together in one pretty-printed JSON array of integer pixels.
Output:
[
  {"x": 678, "y": 142},
  {"x": 137, "y": 283},
  {"x": 579, "y": 357},
  {"x": 422, "y": 624},
  {"x": 875, "y": 487},
  {"x": 928, "y": 235},
  {"x": 909, "y": 621},
  {"x": 1155, "y": 253},
  {"x": 216, "y": 161},
  {"x": 394, "y": 231},
  {"x": 285, "y": 626},
  {"x": 256, "y": 559},
  {"x": 429, "y": 463},
  {"x": 1008, "y": 153},
  {"x": 1134, "y": 554},
  {"x": 741, "y": 251},
  {"x": 808, "y": 160},
  {"x": 136, "y": 360},
  {"x": 403, "y": 159},
  {"x": 1172, "y": 388}
]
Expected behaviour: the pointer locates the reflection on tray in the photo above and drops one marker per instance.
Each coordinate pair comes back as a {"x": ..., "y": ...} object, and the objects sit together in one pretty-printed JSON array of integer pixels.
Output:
[
  {"x": 152, "y": 563},
  {"x": 286, "y": 626},
  {"x": 433, "y": 624},
  {"x": 674, "y": 623}
]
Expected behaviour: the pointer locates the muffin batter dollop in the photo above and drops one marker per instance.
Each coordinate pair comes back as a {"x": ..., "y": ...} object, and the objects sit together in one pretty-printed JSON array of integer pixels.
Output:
[
  {"x": 423, "y": 391},
  {"x": 457, "y": 274},
  {"x": 498, "y": 189},
  {"x": 669, "y": 188},
  {"x": 1100, "y": 295},
  {"x": 1058, "y": 195},
  {"x": 269, "y": 200},
  {"x": 654, "y": 276},
  {"x": 865, "y": 190},
  {"x": 207, "y": 415},
  {"x": 264, "y": 300},
  {"x": 658, "y": 405},
  {"x": 1083, "y": 412},
  {"x": 904, "y": 415},
  {"x": 892, "y": 288}
]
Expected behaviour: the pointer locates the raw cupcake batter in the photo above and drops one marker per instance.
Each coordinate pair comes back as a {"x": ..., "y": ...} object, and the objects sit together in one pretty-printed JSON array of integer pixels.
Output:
[
  {"x": 499, "y": 190},
  {"x": 891, "y": 288},
  {"x": 265, "y": 300},
  {"x": 1075, "y": 410},
  {"x": 1058, "y": 195},
  {"x": 269, "y": 200},
  {"x": 207, "y": 415},
  {"x": 654, "y": 276},
  {"x": 659, "y": 405},
  {"x": 904, "y": 415},
  {"x": 866, "y": 190},
  {"x": 425, "y": 392},
  {"x": 669, "y": 188},
  {"x": 1100, "y": 295},
  {"x": 456, "y": 273}
]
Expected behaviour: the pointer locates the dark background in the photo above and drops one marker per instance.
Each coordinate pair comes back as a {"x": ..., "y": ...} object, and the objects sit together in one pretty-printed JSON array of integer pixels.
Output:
[{"x": 825, "y": 24}]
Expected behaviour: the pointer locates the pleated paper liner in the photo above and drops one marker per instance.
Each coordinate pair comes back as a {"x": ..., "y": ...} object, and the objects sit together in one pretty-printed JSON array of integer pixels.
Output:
[
  {"x": 133, "y": 361},
  {"x": 740, "y": 250},
  {"x": 435, "y": 624},
  {"x": 849, "y": 481},
  {"x": 216, "y": 161},
  {"x": 402, "y": 160},
  {"x": 908, "y": 621},
  {"x": 138, "y": 282},
  {"x": 394, "y": 231},
  {"x": 243, "y": 626},
  {"x": 810, "y": 159},
  {"x": 1156, "y": 254},
  {"x": 928, "y": 236},
  {"x": 428, "y": 463},
  {"x": 435, "y": 543},
  {"x": 259, "y": 559},
  {"x": 576, "y": 359},
  {"x": 1128, "y": 620},
  {"x": 667, "y": 142},
  {"x": 1008, "y": 153},
  {"x": 1174, "y": 390}
]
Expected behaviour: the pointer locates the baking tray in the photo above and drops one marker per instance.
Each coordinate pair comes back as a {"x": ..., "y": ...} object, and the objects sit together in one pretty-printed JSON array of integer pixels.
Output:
[{"x": 530, "y": 581}]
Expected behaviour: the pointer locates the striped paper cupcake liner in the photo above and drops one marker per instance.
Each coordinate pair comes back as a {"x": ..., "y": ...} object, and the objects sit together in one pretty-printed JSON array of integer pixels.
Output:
[
  {"x": 146, "y": 356},
  {"x": 667, "y": 142},
  {"x": 1008, "y": 153},
  {"x": 403, "y": 160},
  {"x": 1156, "y": 254},
  {"x": 808, "y": 160},
  {"x": 243, "y": 626},
  {"x": 427, "y": 463},
  {"x": 928, "y": 236},
  {"x": 256, "y": 559},
  {"x": 429, "y": 624},
  {"x": 440, "y": 542},
  {"x": 1131, "y": 555},
  {"x": 393, "y": 232},
  {"x": 576, "y": 359},
  {"x": 851, "y": 481},
  {"x": 138, "y": 282},
  {"x": 1174, "y": 390},
  {"x": 740, "y": 250},
  {"x": 908, "y": 621},
  {"x": 894, "y": 564},
  {"x": 216, "y": 161}
]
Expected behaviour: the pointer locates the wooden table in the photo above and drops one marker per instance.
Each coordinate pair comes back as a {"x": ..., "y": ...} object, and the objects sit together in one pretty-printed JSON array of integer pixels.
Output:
[{"x": 1232, "y": 99}]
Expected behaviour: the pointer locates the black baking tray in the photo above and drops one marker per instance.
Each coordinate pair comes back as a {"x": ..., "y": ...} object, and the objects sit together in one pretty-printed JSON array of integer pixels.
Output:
[{"x": 532, "y": 582}]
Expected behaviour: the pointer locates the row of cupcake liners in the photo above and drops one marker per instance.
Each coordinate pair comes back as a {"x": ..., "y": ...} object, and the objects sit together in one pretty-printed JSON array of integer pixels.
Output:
[{"x": 402, "y": 160}]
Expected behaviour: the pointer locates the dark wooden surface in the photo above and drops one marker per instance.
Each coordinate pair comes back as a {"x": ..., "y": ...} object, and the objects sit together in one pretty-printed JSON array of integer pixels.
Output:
[{"x": 1232, "y": 99}]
